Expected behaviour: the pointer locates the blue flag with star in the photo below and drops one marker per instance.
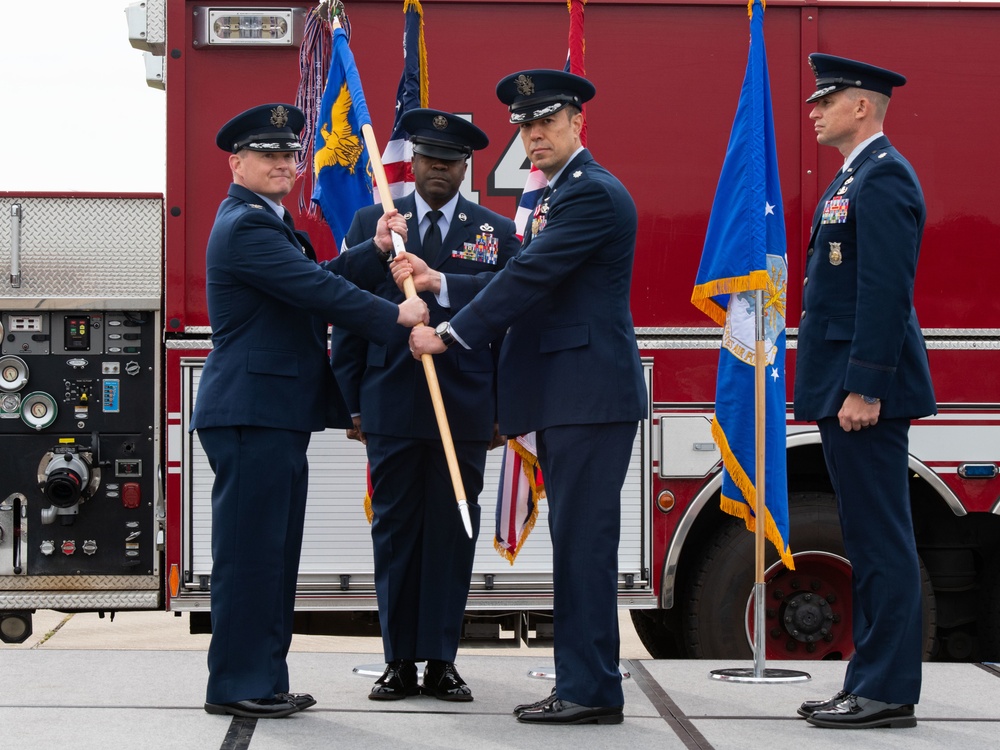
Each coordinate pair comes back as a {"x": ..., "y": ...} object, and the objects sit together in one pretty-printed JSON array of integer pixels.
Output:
[{"x": 745, "y": 252}]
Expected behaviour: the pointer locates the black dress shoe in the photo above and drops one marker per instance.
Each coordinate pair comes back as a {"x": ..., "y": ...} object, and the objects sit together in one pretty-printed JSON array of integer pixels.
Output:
[
  {"x": 855, "y": 712},
  {"x": 398, "y": 681},
  {"x": 443, "y": 681},
  {"x": 564, "y": 712},
  {"x": 301, "y": 701},
  {"x": 810, "y": 707},
  {"x": 537, "y": 704},
  {"x": 257, "y": 708}
]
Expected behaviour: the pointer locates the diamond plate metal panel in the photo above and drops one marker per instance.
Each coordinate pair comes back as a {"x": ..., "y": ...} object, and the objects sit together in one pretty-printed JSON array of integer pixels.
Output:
[
  {"x": 83, "y": 249},
  {"x": 88, "y": 600},
  {"x": 78, "y": 583}
]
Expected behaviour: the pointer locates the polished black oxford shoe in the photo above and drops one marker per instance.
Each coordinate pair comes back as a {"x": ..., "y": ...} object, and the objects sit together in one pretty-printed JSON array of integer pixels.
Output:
[
  {"x": 301, "y": 701},
  {"x": 563, "y": 712},
  {"x": 256, "y": 708},
  {"x": 537, "y": 704},
  {"x": 855, "y": 712},
  {"x": 810, "y": 707},
  {"x": 442, "y": 681},
  {"x": 397, "y": 682}
]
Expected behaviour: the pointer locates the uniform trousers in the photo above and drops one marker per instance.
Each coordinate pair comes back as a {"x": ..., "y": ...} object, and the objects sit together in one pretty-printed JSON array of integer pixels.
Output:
[
  {"x": 258, "y": 514},
  {"x": 423, "y": 556},
  {"x": 869, "y": 471},
  {"x": 584, "y": 468}
]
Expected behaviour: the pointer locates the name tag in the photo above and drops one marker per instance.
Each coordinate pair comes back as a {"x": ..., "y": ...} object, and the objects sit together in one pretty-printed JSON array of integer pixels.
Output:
[{"x": 835, "y": 211}]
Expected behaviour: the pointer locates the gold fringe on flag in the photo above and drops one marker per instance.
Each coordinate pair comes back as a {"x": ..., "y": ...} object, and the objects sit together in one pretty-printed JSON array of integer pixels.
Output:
[
  {"x": 703, "y": 295},
  {"x": 744, "y": 508},
  {"x": 529, "y": 465}
]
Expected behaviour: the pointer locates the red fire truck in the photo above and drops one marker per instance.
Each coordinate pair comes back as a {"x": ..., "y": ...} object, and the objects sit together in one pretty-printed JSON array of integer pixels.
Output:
[{"x": 668, "y": 74}]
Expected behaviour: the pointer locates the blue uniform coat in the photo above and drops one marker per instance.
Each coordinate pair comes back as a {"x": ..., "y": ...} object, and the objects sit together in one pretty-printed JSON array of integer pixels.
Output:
[{"x": 859, "y": 332}]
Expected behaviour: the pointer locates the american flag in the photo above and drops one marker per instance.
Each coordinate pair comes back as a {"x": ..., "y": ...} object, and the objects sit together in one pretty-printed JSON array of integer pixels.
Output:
[{"x": 412, "y": 93}]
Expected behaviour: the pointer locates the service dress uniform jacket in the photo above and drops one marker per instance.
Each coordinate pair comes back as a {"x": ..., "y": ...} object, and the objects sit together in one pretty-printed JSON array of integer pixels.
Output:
[
  {"x": 265, "y": 387},
  {"x": 859, "y": 334},
  {"x": 859, "y": 331},
  {"x": 570, "y": 371},
  {"x": 423, "y": 557}
]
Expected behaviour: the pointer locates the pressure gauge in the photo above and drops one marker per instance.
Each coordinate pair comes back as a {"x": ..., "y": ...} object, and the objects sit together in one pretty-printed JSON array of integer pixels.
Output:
[
  {"x": 39, "y": 410},
  {"x": 13, "y": 373},
  {"x": 10, "y": 403}
]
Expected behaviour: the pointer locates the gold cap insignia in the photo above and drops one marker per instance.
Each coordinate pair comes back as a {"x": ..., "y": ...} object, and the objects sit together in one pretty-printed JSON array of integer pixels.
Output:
[
  {"x": 440, "y": 122},
  {"x": 279, "y": 116},
  {"x": 525, "y": 85}
]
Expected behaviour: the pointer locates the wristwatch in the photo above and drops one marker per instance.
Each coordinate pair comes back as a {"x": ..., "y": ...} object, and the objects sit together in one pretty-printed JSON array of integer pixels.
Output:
[
  {"x": 443, "y": 332},
  {"x": 869, "y": 399}
]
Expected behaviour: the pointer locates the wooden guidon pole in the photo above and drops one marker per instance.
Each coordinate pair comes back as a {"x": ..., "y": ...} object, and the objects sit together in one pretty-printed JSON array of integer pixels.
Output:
[{"x": 426, "y": 359}]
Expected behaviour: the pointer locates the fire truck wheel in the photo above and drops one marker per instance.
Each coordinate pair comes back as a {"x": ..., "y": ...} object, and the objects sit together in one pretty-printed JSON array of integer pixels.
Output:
[
  {"x": 656, "y": 635},
  {"x": 808, "y": 610}
]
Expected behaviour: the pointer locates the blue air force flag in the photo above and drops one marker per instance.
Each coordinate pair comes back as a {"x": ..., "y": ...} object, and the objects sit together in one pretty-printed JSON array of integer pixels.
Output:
[
  {"x": 341, "y": 163},
  {"x": 745, "y": 252}
]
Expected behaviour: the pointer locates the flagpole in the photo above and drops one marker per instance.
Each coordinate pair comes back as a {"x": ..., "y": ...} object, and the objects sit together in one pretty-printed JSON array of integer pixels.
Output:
[
  {"x": 430, "y": 372},
  {"x": 759, "y": 673},
  {"x": 760, "y": 412}
]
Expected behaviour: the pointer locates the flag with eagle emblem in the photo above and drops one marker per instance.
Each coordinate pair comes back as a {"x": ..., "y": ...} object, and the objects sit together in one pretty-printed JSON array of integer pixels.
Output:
[
  {"x": 341, "y": 166},
  {"x": 745, "y": 251}
]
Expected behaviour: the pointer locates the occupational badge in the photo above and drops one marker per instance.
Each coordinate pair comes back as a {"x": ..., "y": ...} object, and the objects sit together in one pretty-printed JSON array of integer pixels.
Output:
[
  {"x": 486, "y": 228},
  {"x": 836, "y": 258}
]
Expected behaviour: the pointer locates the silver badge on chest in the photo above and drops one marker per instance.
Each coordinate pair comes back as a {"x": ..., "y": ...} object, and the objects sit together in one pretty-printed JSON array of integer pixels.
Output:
[{"x": 836, "y": 258}]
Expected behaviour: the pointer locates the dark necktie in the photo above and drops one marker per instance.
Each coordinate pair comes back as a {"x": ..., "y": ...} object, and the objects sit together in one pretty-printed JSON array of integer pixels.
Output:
[{"x": 432, "y": 237}]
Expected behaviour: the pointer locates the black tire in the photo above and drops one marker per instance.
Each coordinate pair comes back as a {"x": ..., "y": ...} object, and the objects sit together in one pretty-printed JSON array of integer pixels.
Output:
[
  {"x": 714, "y": 604},
  {"x": 656, "y": 635},
  {"x": 989, "y": 614}
]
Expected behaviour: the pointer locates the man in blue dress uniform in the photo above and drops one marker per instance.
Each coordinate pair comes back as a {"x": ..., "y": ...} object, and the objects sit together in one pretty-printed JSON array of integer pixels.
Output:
[
  {"x": 266, "y": 385},
  {"x": 423, "y": 557},
  {"x": 569, "y": 371},
  {"x": 862, "y": 374}
]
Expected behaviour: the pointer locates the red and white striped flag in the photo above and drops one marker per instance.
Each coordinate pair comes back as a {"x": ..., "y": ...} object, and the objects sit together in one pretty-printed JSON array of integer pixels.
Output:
[{"x": 412, "y": 93}]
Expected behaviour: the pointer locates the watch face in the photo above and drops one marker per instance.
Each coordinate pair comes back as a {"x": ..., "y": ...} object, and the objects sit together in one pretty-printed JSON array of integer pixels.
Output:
[{"x": 441, "y": 328}]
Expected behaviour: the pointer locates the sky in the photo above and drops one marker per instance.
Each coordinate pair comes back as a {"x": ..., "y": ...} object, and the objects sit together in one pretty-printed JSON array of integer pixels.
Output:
[{"x": 77, "y": 114}]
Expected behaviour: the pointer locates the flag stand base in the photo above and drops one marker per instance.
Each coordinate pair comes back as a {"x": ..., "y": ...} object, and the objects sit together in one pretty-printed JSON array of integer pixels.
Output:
[{"x": 749, "y": 674}]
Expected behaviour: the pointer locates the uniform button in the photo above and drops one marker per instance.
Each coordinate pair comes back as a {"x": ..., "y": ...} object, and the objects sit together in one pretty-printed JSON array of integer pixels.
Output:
[
  {"x": 803, "y": 315},
  {"x": 810, "y": 251},
  {"x": 805, "y": 281}
]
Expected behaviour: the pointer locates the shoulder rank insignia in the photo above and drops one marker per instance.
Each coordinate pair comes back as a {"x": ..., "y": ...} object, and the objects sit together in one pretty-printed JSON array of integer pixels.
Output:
[
  {"x": 255, "y": 205},
  {"x": 577, "y": 173},
  {"x": 883, "y": 155}
]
